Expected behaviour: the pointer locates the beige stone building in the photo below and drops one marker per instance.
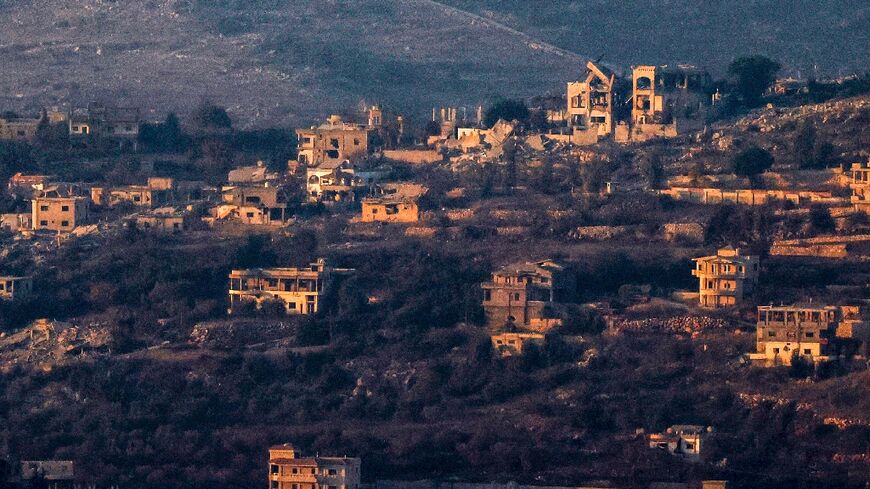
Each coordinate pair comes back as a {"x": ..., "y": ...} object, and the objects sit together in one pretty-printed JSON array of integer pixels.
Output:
[
  {"x": 15, "y": 288},
  {"x": 725, "y": 277},
  {"x": 509, "y": 344},
  {"x": 163, "y": 219},
  {"x": 665, "y": 98},
  {"x": 590, "y": 101},
  {"x": 683, "y": 440},
  {"x": 58, "y": 208},
  {"x": 300, "y": 289},
  {"x": 527, "y": 295},
  {"x": 333, "y": 141},
  {"x": 807, "y": 331},
  {"x": 860, "y": 185},
  {"x": 252, "y": 204},
  {"x": 289, "y": 470},
  {"x": 393, "y": 202}
]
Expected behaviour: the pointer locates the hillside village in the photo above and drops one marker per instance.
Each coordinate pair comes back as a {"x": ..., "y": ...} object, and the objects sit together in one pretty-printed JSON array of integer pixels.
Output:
[{"x": 656, "y": 279}]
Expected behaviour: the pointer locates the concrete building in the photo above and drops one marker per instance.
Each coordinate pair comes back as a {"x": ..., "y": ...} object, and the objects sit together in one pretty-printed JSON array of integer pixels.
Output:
[
  {"x": 725, "y": 277},
  {"x": 509, "y": 344},
  {"x": 163, "y": 219},
  {"x": 26, "y": 185},
  {"x": 333, "y": 141},
  {"x": 252, "y": 204},
  {"x": 58, "y": 208},
  {"x": 808, "y": 331},
  {"x": 138, "y": 195},
  {"x": 527, "y": 295},
  {"x": 15, "y": 288},
  {"x": 55, "y": 474},
  {"x": 393, "y": 202},
  {"x": 255, "y": 174},
  {"x": 683, "y": 440},
  {"x": 300, "y": 289},
  {"x": 18, "y": 129},
  {"x": 289, "y": 470},
  {"x": 665, "y": 98},
  {"x": 590, "y": 101},
  {"x": 860, "y": 185},
  {"x": 341, "y": 181}
]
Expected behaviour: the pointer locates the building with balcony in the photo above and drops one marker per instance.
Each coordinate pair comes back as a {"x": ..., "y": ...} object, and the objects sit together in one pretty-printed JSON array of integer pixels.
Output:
[
  {"x": 808, "y": 331},
  {"x": 289, "y": 470},
  {"x": 527, "y": 295},
  {"x": 724, "y": 278},
  {"x": 300, "y": 289}
]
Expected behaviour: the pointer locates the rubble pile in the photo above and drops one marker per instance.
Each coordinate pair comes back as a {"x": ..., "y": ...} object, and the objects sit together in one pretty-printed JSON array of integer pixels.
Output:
[
  {"x": 51, "y": 342},
  {"x": 242, "y": 332},
  {"x": 676, "y": 324}
]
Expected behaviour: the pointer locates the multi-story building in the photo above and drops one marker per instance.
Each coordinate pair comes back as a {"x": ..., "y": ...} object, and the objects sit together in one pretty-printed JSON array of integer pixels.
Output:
[
  {"x": 590, "y": 102},
  {"x": 683, "y": 440},
  {"x": 58, "y": 208},
  {"x": 393, "y": 202},
  {"x": 15, "y": 288},
  {"x": 807, "y": 331},
  {"x": 526, "y": 294},
  {"x": 333, "y": 141},
  {"x": 860, "y": 185},
  {"x": 253, "y": 204},
  {"x": 668, "y": 96},
  {"x": 725, "y": 277},
  {"x": 300, "y": 289},
  {"x": 289, "y": 470}
]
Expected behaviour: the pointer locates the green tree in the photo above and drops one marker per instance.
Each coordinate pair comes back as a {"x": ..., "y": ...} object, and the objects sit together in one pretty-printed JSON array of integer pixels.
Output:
[
  {"x": 508, "y": 110},
  {"x": 821, "y": 220},
  {"x": 752, "y": 76},
  {"x": 752, "y": 161}
]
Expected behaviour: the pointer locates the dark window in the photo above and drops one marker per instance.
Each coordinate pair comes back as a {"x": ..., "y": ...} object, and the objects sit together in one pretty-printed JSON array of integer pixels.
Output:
[
  {"x": 64, "y": 208},
  {"x": 64, "y": 223}
]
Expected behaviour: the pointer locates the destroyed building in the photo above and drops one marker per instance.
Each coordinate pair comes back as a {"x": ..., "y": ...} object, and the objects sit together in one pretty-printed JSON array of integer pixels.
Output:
[
  {"x": 667, "y": 100},
  {"x": 332, "y": 142},
  {"x": 341, "y": 181},
  {"x": 590, "y": 101},
  {"x": 59, "y": 208},
  {"x": 158, "y": 191},
  {"x": 527, "y": 295},
  {"x": 813, "y": 332},
  {"x": 289, "y": 470},
  {"x": 393, "y": 202},
  {"x": 15, "y": 288},
  {"x": 163, "y": 219},
  {"x": 860, "y": 185},
  {"x": 724, "y": 278},
  {"x": 252, "y": 204},
  {"x": 300, "y": 289},
  {"x": 508, "y": 343},
  {"x": 255, "y": 174}
]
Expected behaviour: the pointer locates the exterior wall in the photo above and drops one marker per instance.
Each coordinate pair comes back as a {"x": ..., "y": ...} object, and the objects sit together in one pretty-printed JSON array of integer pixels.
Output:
[
  {"x": 708, "y": 195},
  {"x": 523, "y": 298},
  {"x": 378, "y": 211},
  {"x": 137, "y": 195},
  {"x": 510, "y": 344},
  {"x": 59, "y": 213},
  {"x": 725, "y": 278},
  {"x": 301, "y": 289},
  {"x": 331, "y": 144},
  {"x": 165, "y": 223},
  {"x": 414, "y": 156},
  {"x": 15, "y": 288}
]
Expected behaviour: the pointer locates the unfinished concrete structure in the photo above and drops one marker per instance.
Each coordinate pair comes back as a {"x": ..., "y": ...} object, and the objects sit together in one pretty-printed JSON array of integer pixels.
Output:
[
  {"x": 807, "y": 331},
  {"x": 860, "y": 185},
  {"x": 254, "y": 174},
  {"x": 58, "y": 208},
  {"x": 590, "y": 101},
  {"x": 289, "y": 470},
  {"x": 393, "y": 202},
  {"x": 665, "y": 98},
  {"x": 725, "y": 277},
  {"x": 527, "y": 294},
  {"x": 683, "y": 440},
  {"x": 158, "y": 191},
  {"x": 300, "y": 289},
  {"x": 15, "y": 288},
  {"x": 332, "y": 141}
]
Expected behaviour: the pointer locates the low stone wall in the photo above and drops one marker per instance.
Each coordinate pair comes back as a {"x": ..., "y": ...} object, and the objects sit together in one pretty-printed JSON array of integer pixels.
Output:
[
  {"x": 414, "y": 156},
  {"x": 420, "y": 232},
  {"x": 821, "y": 251},
  {"x": 599, "y": 233}
]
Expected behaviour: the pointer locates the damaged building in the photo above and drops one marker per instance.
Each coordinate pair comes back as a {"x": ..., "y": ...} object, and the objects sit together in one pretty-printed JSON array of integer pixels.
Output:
[
  {"x": 590, "y": 101},
  {"x": 393, "y": 202},
  {"x": 59, "y": 208},
  {"x": 666, "y": 100},
  {"x": 332, "y": 142},
  {"x": 528, "y": 295}
]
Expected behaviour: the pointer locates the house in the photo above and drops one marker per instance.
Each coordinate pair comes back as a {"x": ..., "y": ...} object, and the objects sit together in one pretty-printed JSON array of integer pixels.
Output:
[
  {"x": 15, "y": 288},
  {"x": 58, "y": 208},
  {"x": 510, "y": 343},
  {"x": 119, "y": 124},
  {"x": 289, "y": 470},
  {"x": 725, "y": 277},
  {"x": 590, "y": 101},
  {"x": 665, "y": 98},
  {"x": 393, "y": 202},
  {"x": 163, "y": 219},
  {"x": 56, "y": 474},
  {"x": 19, "y": 129},
  {"x": 683, "y": 440},
  {"x": 300, "y": 289},
  {"x": 256, "y": 174},
  {"x": 332, "y": 142},
  {"x": 808, "y": 331},
  {"x": 252, "y": 204},
  {"x": 527, "y": 295}
]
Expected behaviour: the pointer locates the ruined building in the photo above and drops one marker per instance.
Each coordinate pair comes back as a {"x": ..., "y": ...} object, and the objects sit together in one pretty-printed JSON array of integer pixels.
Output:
[
  {"x": 393, "y": 202},
  {"x": 15, "y": 288},
  {"x": 156, "y": 192},
  {"x": 683, "y": 440},
  {"x": 809, "y": 331},
  {"x": 289, "y": 470},
  {"x": 666, "y": 99},
  {"x": 332, "y": 142},
  {"x": 18, "y": 129},
  {"x": 725, "y": 277},
  {"x": 58, "y": 208},
  {"x": 860, "y": 185},
  {"x": 300, "y": 289},
  {"x": 527, "y": 295},
  {"x": 590, "y": 102}
]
